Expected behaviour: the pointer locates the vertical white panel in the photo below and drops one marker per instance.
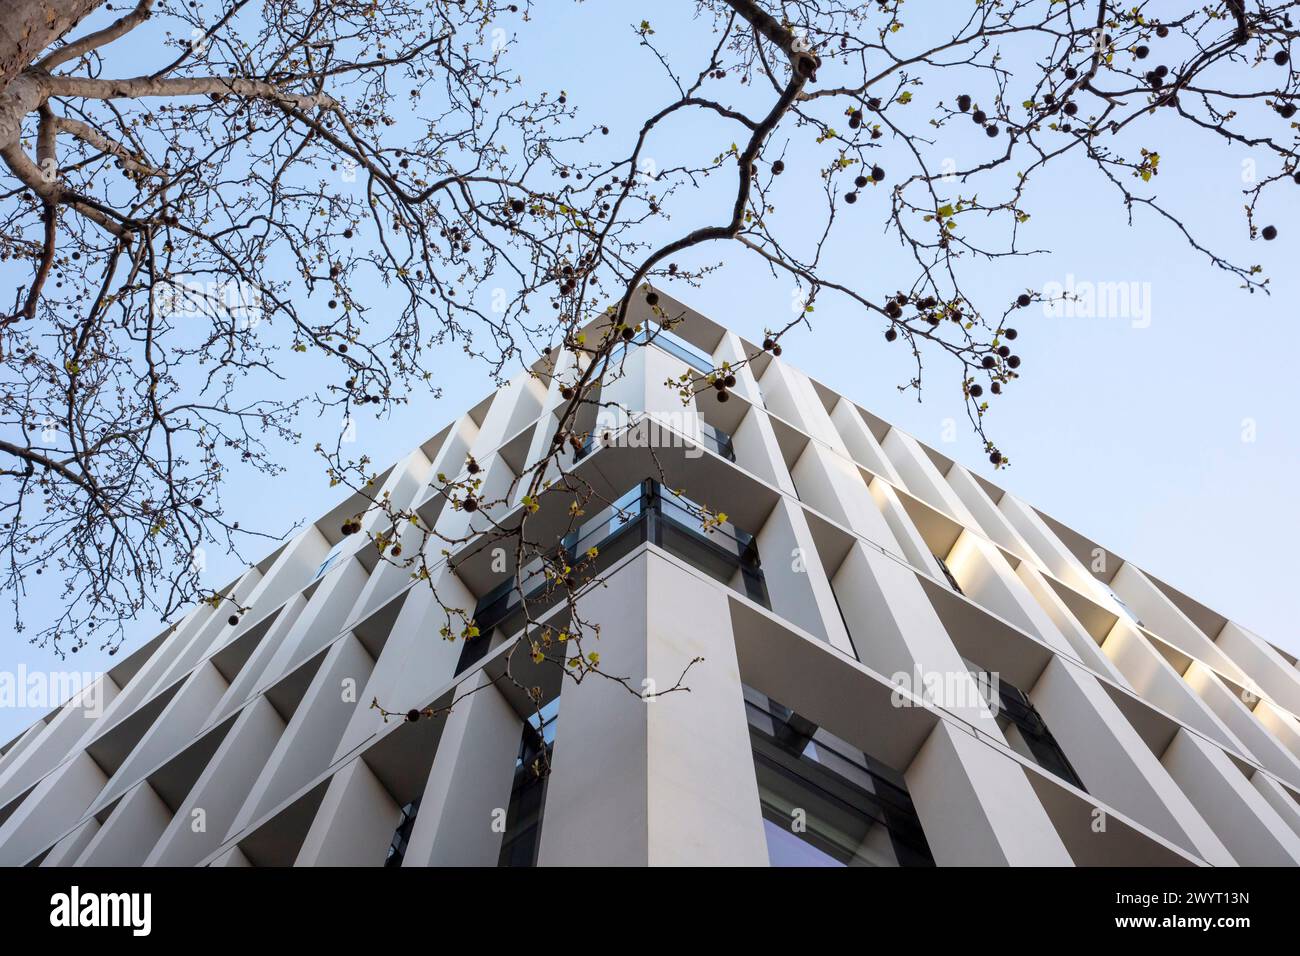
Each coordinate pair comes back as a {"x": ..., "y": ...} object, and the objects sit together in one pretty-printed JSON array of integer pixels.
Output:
[
  {"x": 1250, "y": 828},
  {"x": 976, "y": 806},
  {"x": 468, "y": 792},
  {"x": 834, "y": 486},
  {"x": 53, "y": 807},
  {"x": 669, "y": 781},
  {"x": 797, "y": 585},
  {"x": 1115, "y": 763},
  {"x": 307, "y": 745},
  {"x": 130, "y": 831},
  {"x": 355, "y": 821},
  {"x": 207, "y": 812}
]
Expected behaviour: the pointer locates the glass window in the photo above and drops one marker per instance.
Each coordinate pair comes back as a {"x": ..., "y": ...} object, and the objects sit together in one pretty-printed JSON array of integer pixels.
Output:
[
  {"x": 825, "y": 803},
  {"x": 522, "y": 837},
  {"x": 671, "y": 344},
  {"x": 786, "y": 849},
  {"x": 402, "y": 835},
  {"x": 1023, "y": 725},
  {"x": 947, "y": 573},
  {"x": 647, "y": 511},
  {"x": 331, "y": 559}
]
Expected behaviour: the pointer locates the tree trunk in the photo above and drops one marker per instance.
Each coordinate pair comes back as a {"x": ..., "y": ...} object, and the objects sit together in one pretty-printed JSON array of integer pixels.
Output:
[{"x": 29, "y": 27}]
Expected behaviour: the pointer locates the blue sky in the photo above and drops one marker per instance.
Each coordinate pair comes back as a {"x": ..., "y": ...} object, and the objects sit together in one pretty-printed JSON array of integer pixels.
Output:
[{"x": 1132, "y": 431}]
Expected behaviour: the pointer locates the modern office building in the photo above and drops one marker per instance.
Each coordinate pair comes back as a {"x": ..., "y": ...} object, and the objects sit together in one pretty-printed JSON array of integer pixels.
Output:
[{"x": 902, "y": 665}]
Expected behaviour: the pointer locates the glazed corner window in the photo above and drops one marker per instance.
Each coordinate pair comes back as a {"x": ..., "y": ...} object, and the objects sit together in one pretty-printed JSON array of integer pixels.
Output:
[
  {"x": 825, "y": 803},
  {"x": 645, "y": 512}
]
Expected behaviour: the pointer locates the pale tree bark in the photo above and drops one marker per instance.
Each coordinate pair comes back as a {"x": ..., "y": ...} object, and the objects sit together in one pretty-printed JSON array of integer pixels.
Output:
[{"x": 30, "y": 27}]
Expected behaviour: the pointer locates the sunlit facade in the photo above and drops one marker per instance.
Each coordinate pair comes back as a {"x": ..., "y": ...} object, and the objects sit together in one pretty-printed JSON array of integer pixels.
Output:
[{"x": 902, "y": 665}]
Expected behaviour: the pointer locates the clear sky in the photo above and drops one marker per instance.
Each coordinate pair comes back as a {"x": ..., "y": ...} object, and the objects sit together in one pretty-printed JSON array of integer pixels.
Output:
[{"x": 1169, "y": 437}]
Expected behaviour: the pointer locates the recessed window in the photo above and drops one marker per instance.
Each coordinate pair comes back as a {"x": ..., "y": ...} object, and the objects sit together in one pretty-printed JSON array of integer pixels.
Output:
[
  {"x": 1023, "y": 725},
  {"x": 402, "y": 835},
  {"x": 523, "y": 833},
  {"x": 825, "y": 803},
  {"x": 947, "y": 573}
]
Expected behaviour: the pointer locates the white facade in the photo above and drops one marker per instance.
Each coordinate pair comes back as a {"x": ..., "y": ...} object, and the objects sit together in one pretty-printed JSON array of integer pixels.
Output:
[{"x": 1134, "y": 727}]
